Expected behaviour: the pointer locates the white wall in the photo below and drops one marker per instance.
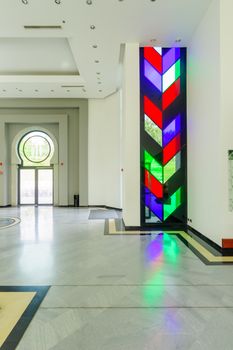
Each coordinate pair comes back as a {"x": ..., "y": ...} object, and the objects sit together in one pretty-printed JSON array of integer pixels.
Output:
[
  {"x": 204, "y": 116},
  {"x": 226, "y": 57},
  {"x": 104, "y": 175}
]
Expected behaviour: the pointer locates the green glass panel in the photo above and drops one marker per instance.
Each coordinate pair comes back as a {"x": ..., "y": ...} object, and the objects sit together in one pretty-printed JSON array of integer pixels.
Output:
[
  {"x": 153, "y": 130},
  {"x": 175, "y": 203},
  {"x": 177, "y": 69},
  {"x": 153, "y": 166},
  {"x": 171, "y": 167}
]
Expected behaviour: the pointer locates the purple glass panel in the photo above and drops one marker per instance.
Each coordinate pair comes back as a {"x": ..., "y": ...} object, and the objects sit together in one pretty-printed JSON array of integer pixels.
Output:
[
  {"x": 152, "y": 75},
  {"x": 153, "y": 204},
  {"x": 170, "y": 58},
  {"x": 171, "y": 130}
]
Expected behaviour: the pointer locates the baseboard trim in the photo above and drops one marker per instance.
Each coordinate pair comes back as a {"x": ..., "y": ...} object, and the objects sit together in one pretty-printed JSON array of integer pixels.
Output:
[
  {"x": 205, "y": 239},
  {"x": 5, "y": 206}
]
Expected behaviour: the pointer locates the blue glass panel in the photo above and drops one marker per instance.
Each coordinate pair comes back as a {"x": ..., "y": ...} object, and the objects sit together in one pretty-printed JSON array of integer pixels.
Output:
[
  {"x": 153, "y": 204},
  {"x": 171, "y": 130},
  {"x": 152, "y": 75}
]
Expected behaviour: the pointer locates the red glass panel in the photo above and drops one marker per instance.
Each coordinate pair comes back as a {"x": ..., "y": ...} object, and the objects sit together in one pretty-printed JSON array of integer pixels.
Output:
[
  {"x": 171, "y": 94},
  {"x": 153, "y": 185},
  {"x": 171, "y": 149},
  {"x": 152, "y": 56},
  {"x": 153, "y": 112}
]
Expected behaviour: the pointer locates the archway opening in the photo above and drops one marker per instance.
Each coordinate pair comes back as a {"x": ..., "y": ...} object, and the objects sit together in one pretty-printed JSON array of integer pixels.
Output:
[{"x": 35, "y": 149}]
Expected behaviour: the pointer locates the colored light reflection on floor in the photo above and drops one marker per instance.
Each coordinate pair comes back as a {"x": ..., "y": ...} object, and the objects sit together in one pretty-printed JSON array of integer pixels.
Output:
[{"x": 162, "y": 249}]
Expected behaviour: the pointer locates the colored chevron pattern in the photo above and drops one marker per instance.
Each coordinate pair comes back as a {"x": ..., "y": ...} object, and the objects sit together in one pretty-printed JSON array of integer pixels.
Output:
[{"x": 161, "y": 88}]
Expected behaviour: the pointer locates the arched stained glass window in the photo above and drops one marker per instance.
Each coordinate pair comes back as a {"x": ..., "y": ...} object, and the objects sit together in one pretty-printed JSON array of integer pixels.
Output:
[{"x": 36, "y": 149}]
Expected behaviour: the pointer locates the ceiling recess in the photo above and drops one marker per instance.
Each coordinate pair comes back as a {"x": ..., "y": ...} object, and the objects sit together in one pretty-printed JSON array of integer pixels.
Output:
[{"x": 42, "y": 27}]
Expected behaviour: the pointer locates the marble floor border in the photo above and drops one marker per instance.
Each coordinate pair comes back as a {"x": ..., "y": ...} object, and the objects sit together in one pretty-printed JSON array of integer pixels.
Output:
[
  {"x": 200, "y": 248},
  {"x": 17, "y": 332}
]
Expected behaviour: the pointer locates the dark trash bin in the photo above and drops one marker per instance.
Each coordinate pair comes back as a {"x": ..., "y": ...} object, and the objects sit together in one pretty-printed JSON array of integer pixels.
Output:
[{"x": 76, "y": 200}]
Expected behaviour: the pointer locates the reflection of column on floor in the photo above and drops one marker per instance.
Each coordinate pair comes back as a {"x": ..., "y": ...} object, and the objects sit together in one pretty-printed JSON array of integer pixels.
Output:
[{"x": 230, "y": 179}]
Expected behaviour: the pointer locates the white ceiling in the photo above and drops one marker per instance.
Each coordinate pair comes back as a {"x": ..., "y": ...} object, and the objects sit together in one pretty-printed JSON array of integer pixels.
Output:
[{"x": 37, "y": 63}]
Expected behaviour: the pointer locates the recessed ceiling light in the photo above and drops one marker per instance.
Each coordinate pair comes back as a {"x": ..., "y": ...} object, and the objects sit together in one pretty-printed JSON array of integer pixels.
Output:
[
  {"x": 58, "y": 2},
  {"x": 92, "y": 27},
  {"x": 96, "y": 61},
  {"x": 178, "y": 40},
  {"x": 25, "y": 2},
  {"x": 94, "y": 46},
  {"x": 89, "y": 2}
]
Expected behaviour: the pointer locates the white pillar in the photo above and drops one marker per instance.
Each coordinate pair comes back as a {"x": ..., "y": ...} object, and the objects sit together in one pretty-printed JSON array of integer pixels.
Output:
[{"x": 131, "y": 136}]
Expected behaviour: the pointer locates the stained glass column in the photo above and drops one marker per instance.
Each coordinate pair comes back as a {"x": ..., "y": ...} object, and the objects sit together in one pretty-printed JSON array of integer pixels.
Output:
[{"x": 163, "y": 135}]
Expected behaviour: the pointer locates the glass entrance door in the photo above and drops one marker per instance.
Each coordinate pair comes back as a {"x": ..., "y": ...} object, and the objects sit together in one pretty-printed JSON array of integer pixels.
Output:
[
  {"x": 36, "y": 186},
  {"x": 27, "y": 186},
  {"x": 45, "y": 186}
]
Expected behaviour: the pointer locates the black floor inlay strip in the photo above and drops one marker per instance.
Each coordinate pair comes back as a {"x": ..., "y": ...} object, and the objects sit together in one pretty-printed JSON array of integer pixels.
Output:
[{"x": 16, "y": 334}]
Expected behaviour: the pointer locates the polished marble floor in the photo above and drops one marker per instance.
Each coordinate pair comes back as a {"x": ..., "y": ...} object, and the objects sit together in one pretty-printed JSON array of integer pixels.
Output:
[{"x": 113, "y": 292}]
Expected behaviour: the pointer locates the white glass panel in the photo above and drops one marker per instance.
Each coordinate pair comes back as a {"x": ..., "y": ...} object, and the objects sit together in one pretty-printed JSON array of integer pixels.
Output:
[
  {"x": 27, "y": 186},
  {"x": 45, "y": 186}
]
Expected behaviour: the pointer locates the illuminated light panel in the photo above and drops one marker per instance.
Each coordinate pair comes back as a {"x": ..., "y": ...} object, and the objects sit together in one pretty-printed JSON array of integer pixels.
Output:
[
  {"x": 153, "y": 184},
  {"x": 171, "y": 94},
  {"x": 153, "y": 166},
  {"x": 171, "y": 130},
  {"x": 153, "y": 130},
  {"x": 171, "y": 75},
  {"x": 153, "y": 75},
  {"x": 154, "y": 58},
  {"x": 153, "y": 203},
  {"x": 171, "y": 167},
  {"x": 175, "y": 203},
  {"x": 153, "y": 112},
  {"x": 171, "y": 149},
  {"x": 170, "y": 58}
]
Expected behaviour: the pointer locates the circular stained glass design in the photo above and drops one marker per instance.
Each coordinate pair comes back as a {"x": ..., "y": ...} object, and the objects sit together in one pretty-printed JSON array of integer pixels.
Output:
[{"x": 36, "y": 148}]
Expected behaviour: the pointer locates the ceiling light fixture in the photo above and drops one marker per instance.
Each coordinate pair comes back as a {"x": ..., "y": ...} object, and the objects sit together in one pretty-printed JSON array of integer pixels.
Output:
[
  {"x": 92, "y": 27},
  {"x": 89, "y": 2},
  {"x": 58, "y": 2},
  {"x": 25, "y": 2}
]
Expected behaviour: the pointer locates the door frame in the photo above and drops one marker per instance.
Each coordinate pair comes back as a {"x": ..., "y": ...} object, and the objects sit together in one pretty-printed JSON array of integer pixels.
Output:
[{"x": 36, "y": 183}]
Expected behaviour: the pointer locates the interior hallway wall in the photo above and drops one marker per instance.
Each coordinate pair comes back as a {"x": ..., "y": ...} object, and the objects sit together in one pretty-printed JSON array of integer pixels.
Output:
[
  {"x": 104, "y": 146},
  {"x": 77, "y": 111},
  {"x": 204, "y": 125}
]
